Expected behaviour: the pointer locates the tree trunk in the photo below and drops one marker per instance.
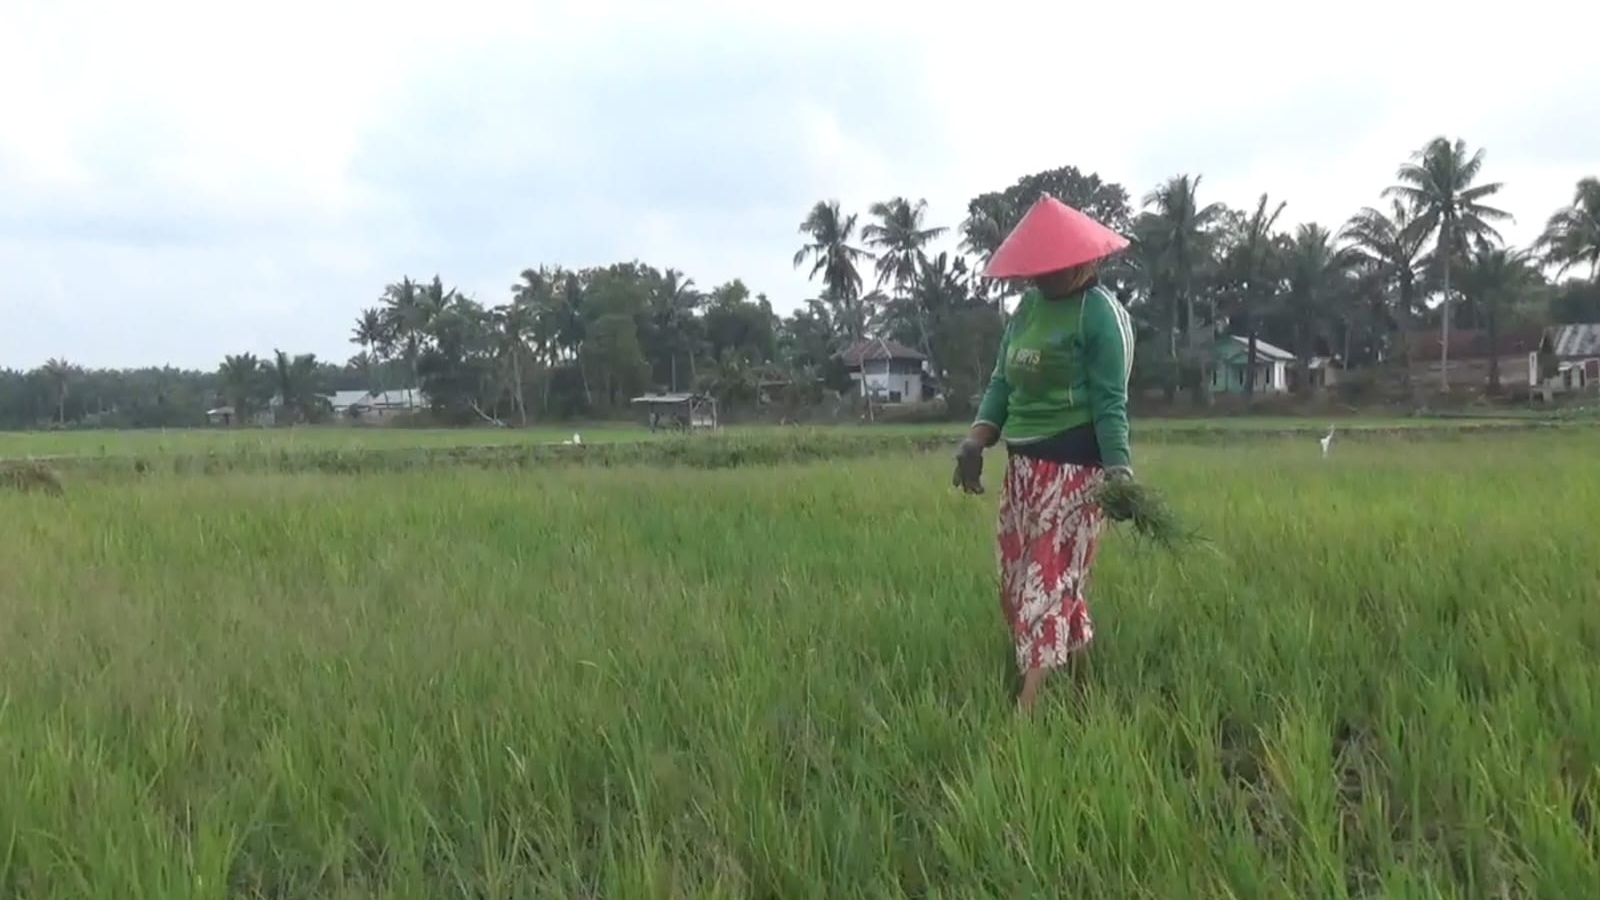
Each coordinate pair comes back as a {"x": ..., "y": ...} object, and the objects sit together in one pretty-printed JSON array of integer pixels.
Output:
[
  {"x": 1302, "y": 364},
  {"x": 1446, "y": 247},
  {"x": 1492, "y": 327},
  {"x": 1173, "y": 370},
  {"x": 1405, "y": 321},
  {"x": 1250, "y": 353},
  {"x": 1202, "y": 387},
  {"x": 516, "y": 376}
]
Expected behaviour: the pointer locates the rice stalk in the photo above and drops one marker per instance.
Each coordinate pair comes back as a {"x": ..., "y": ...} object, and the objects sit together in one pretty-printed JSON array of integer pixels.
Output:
[{"x": 1146, "y": 511}]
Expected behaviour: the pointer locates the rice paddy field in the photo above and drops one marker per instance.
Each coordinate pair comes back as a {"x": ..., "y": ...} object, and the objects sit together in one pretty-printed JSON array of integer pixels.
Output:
[
  {"x": 1381, "y": 678},
  {"x": 332, "y": 438}
]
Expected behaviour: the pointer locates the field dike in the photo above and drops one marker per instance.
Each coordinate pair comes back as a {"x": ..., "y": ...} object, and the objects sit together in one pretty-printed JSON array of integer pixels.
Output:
[{"x": 698, "y": 452}]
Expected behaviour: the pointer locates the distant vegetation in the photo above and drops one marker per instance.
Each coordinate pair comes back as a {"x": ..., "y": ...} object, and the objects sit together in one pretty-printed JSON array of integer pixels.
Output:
[{"x": 578, "y": 343}]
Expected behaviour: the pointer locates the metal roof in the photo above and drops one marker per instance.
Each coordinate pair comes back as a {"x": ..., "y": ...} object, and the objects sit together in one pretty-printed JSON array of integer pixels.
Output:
[
  {"x": 397, "y": 397},
  {"x": 1264, "y": 350},
  {"x": 668, "y": 398},
  {"x": 346, "y": 399},
  {"x": 400, "y": 397},
  {"x": 878, "y": 349},
  {"x": 1575, "y": 341}
]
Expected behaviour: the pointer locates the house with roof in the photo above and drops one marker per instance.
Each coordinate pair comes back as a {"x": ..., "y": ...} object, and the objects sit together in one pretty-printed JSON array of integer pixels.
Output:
[
  {"x": 1568, "y": 358},
  {"x": 885, "y": 370},
  {"x": 1231, "y": 372},
  {"x": 1471, "y": 352},
  {"x": 1576, "y": 345},
  {"x": 226, "y": 415},
  {"x": 376, "y": 405}
]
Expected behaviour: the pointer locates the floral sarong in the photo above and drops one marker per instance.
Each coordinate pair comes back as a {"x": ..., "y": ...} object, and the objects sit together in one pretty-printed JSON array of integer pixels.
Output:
[{"x": 1048, "y": 528}]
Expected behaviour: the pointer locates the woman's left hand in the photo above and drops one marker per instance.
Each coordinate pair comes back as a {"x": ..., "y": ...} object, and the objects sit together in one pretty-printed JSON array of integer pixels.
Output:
[{"x": 1119, "y": 473}]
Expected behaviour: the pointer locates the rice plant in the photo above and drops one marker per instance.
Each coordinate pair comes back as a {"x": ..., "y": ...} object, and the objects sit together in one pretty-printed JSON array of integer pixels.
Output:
[{"x": 792, "y": 680}]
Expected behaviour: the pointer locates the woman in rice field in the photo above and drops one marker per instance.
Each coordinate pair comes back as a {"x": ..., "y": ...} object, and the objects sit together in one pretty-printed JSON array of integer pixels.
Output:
[{"x": 1058, "y": 398}]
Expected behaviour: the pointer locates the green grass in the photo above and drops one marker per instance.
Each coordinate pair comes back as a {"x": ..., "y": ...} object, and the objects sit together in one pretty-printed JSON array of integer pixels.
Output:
[
  {"x": 793, "y": 682},
  {"x": 194, "y": 441},
  {"x": 312, "y": 438}
]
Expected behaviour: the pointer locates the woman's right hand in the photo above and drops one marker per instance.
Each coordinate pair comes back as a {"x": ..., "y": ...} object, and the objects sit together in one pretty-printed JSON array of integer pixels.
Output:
[{"x": 969, "y": 460}]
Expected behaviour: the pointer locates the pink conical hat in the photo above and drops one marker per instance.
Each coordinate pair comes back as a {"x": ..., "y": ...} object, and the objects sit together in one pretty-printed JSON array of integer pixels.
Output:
[{"x": 1052, "y": 236}]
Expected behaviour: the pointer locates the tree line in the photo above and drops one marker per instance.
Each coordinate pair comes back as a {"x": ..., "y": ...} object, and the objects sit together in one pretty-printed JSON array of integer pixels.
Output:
[{"x": 570, "y": 343}]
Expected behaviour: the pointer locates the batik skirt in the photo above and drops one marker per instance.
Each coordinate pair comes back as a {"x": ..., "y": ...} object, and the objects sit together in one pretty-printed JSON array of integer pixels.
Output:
[{"x": 1047, "y": 531}]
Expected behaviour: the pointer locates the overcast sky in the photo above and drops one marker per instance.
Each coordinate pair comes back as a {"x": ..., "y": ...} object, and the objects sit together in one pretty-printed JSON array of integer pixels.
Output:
[{"x": 183, "y": 179}]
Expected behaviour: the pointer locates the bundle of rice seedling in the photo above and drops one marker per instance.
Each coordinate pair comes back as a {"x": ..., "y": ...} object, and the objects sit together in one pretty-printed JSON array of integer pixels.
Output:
[
  {"x": 29, "y": 477},
  {"x": 1142, "y": 507}
]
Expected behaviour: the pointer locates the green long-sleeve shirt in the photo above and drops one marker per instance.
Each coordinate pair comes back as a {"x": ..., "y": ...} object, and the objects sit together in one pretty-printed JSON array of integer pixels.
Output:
[{"x": 1063, "y": 364}]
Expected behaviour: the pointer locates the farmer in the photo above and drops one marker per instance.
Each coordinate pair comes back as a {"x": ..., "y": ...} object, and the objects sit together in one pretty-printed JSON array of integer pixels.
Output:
[{"x": 1058, "y": 398}]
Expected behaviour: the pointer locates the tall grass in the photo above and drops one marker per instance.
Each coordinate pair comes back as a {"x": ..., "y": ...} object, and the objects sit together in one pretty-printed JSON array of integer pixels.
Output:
[
  {"x": 347, "y": 439},
  {"x": 726, "y": 449},
  {"x": 793, "y": 682}
]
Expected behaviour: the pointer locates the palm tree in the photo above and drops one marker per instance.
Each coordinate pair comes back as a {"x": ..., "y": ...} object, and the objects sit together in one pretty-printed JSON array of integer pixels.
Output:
[
  {"x": 372, "y": 335},
  {"x": 1493, "y": 278},
  {"x": 834, "y": 258},
  {"x": 986, "y": 225},
  {"x": 1254, "y": 261},
  {"x": 1438, "y": 184},
  {"x": 405, "y": 319},
  {"x": 900, "y": 236},
  {"x": 1178, "y": 231},
  {"x": 1572, "y": 236},
  {"x": 569, "y": 325},
  {"x": 61, "y": 374},
  {"x": 1316, "y": 283},
  {"x": 295, "y": 379},
  {"x": 915, "y": 317},
  {"x": 241, "y": 376},
  {"x": 534, "y": 291},
  {"x": 534, "y": 294},
  {"x": 1388, "y": 249},
  {"x": 674, "y": 304},
  {"x": 513, "y": 323},
  {"x": 436, "y": 299}
]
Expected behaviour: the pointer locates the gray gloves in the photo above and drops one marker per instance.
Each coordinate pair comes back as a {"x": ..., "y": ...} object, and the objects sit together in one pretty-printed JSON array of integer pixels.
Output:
[{"x": 969, "y": 467}]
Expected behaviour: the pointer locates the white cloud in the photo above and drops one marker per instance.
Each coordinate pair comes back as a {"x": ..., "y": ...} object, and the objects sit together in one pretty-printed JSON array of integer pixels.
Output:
[{"x": 183, "y": 179}]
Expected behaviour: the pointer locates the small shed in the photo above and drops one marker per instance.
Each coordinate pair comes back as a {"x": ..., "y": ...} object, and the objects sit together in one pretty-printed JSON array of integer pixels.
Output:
[{"x": 679, "y": 411}]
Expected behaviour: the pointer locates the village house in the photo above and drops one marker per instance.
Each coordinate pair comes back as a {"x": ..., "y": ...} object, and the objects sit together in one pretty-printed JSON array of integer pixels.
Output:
[
  {"x": 1577, "y": 345},
  {"x": 1470, "y": 355},
  {"x": 227, "y": 415},
  {"x": 347, "y": 406},
  {"x": 1230, "y": 370},
  {"x": 1575, "y": 351},
  {"x": 373, "y": 406},
  {"x": 886, "y": 371}
]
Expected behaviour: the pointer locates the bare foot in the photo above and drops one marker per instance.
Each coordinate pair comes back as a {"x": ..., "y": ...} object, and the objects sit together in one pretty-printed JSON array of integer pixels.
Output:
[{"x": 1030, "y": 690}]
